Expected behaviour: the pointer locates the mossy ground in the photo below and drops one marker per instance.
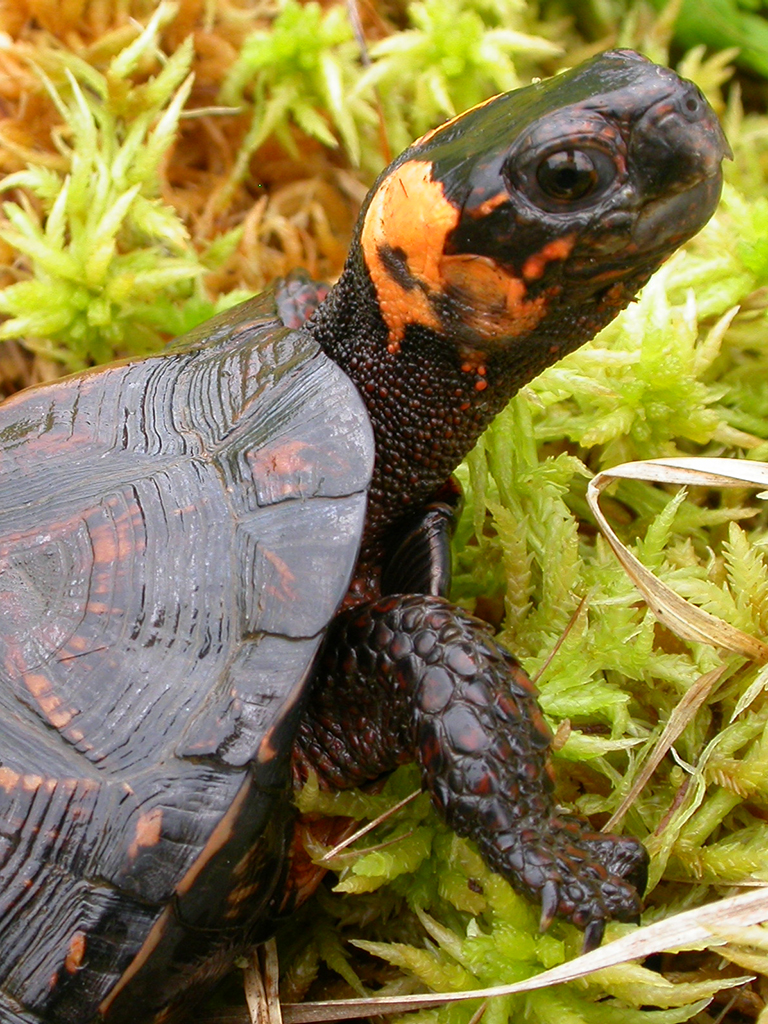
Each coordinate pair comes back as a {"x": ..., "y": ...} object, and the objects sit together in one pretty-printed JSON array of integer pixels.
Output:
[{"x": 162, "y": 161}]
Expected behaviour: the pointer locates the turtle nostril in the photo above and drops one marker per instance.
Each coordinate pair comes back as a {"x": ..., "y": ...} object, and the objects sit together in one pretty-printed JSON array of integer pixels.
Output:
[{"x": 694, "y": 106}]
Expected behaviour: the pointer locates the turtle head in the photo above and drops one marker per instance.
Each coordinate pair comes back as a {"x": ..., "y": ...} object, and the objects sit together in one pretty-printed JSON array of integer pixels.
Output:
[
  {"x": 501, "y": 241},
  {"x": 529, "y": 221}
]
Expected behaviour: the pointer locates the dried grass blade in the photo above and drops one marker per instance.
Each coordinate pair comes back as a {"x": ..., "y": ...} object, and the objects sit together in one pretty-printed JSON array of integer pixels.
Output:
[
  {"x": 751, "y": 693},
  {"x": 261, "y": 985},
  {"x": 359, "y": 833},
  {"x": 560, "y": 640},
  {"x": 272, "y": 981},
  {"x": 253, "y": 987},
  {"x": 683, "y": 618},
  {"x": 685, "y": 711}
]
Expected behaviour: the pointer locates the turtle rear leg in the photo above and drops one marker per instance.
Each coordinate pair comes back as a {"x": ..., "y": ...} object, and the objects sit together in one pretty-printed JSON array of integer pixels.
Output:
[
  {"x": 411, "y": 677},
  {"x": 297, "y": 296}
]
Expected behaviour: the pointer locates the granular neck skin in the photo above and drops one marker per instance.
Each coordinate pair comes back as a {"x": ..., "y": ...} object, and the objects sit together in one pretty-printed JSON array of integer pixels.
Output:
[
  {"x": 428, "y": 402},
  {"x": 425, "y": 413}
]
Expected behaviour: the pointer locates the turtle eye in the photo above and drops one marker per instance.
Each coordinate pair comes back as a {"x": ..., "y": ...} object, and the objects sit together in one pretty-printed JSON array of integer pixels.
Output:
[
  {"x": 567, "y": 175},
  {"x": 562, "y": 174}
]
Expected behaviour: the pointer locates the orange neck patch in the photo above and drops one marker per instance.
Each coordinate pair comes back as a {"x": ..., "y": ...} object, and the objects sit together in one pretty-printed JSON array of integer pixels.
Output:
[
  {"x": 410, "y": 217},
  {"x": 493, "y": 303},
  {"x": 404, "y": 240},
  {"x": 558, "y": 249}
]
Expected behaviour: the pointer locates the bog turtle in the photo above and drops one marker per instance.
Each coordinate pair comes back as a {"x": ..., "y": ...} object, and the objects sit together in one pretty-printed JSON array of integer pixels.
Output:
[{"x": 226, "y": 564}]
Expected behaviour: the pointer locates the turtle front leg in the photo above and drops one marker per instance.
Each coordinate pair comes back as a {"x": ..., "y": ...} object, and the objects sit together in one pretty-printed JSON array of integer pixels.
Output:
[{"x": 411, "y": 677}]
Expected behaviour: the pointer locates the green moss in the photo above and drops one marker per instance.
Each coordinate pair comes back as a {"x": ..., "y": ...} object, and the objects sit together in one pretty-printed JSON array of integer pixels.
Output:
[{"x": 104, "y": 252}]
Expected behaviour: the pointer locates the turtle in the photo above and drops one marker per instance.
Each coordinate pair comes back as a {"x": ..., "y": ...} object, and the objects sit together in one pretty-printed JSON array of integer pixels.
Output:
[{"x": 226, "y": 565}]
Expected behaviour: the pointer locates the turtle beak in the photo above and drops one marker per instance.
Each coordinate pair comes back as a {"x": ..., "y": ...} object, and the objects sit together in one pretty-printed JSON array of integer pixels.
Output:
[
  {"x": 678, "y": 147},
  {"x": 667, "y": 223}
]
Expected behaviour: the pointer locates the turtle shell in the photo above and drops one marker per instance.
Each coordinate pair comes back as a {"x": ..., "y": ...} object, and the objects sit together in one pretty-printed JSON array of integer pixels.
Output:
[{"x": 175, "y": 534}]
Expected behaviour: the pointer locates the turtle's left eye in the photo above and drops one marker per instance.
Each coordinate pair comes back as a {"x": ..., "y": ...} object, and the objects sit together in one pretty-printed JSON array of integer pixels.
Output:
[{"x": 568, "y": 175}]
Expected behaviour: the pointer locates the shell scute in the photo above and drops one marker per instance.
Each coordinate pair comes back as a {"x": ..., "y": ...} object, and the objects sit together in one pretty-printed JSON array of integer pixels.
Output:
[
  {"x": 144, "y": 684},
  {"x": 237, "y": 722}
]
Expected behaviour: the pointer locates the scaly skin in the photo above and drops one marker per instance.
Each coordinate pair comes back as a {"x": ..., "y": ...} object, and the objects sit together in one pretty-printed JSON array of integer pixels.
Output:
[{"x": 419, "y": 679}]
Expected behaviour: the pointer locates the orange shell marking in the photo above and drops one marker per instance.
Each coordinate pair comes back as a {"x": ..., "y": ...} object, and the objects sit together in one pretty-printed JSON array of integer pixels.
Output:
[
  {"x": 9, "y": 779},
  {"x": 148, "y": 831},
  {"x": 52, "y": 707},
  {"x": 75, "y": 953},
  {"x": 409, "y": 213}
]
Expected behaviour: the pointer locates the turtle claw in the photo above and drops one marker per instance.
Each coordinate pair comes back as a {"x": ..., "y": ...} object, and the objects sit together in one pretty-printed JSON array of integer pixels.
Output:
[
  {"x": 550, "y": 901},
  {"x": 593, "y": 935}
]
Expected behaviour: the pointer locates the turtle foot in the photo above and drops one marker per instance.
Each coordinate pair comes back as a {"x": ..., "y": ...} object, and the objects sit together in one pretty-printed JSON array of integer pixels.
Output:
[
  {"x": 412, "y": 676},
  {"x": 485, "y": 758}
]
